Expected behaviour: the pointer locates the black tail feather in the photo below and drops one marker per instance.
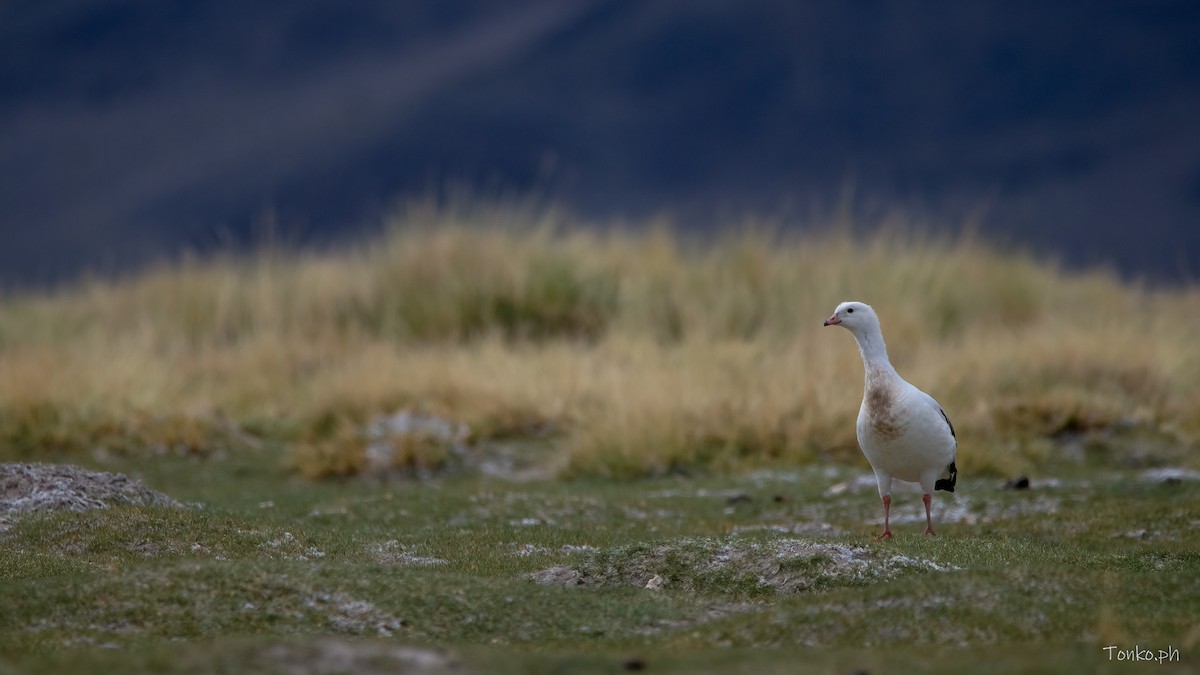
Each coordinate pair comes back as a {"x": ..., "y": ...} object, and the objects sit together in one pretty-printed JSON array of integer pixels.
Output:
[{"x": 947, "y": 484}]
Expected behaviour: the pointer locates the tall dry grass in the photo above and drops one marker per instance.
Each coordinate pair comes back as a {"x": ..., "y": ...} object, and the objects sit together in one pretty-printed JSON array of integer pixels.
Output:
[{"x": 639, "y": 351}]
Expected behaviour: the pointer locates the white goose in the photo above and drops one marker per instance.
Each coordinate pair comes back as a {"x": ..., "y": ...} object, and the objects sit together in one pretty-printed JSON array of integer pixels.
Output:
[{"x": 903, "y": 432}]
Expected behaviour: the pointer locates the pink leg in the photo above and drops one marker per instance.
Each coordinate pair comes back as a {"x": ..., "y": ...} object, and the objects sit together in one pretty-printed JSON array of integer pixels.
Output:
[
  {"x": 928, "y": 499},
  {"x": 887, "y": 507}
]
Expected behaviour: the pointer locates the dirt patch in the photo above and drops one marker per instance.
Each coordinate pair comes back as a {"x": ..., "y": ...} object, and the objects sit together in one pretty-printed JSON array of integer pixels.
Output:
[
  {"x": 733, "y": 565},
  {"x": 26, "y": 488}
]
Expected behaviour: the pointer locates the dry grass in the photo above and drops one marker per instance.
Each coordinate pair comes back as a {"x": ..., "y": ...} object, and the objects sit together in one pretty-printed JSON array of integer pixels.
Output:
[{"x": 642, "y": 352}]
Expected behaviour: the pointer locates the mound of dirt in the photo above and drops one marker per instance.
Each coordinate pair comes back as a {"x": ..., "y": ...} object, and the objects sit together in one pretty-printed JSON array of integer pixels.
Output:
[
  {"x": 785, "y": 565},
  {"x": 62, "y": 487}
]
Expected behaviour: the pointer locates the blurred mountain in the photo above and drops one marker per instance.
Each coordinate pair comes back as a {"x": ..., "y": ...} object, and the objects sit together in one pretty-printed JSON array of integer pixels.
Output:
[{"x": 132, "y": 129}]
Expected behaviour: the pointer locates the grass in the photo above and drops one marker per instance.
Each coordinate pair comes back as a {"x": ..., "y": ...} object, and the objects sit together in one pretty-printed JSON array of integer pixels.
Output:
[
  {"x": 1039, "y": 579},
  {"x": 661, "y": 410},
  {"x": 640, "y": 353}
]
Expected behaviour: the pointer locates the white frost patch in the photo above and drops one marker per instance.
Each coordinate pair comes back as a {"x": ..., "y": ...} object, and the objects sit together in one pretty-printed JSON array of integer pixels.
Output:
[
  {"x": 963, "y": 510},
  {"x": 333, "y": 655},
  {"x": 349, "y": 615},
  {"x": 665, "y": 494},
  {"x": 525, "y": 550},
  {"x": 290, "y": 548},
  {"x": 568, "y": 549},
  {"x": 530, "y": 522},
  {"x": 699, "y": 492},
  {"x": 392, "y": 553},
  {"x": 531, "y": 549},
  {"x": 865, "y": 482},
  {"x": 319, "y": 512},
  {"x": 763, "y": 477},
  {"x": 860, "y": 483},
  {"x": 807, "y": 528},
  {"x": 856, "y": 561},
  {"x": 906, "y": 562},
  {"x": 1169, "y": 473},
  {"x": 787, "y": 565}
]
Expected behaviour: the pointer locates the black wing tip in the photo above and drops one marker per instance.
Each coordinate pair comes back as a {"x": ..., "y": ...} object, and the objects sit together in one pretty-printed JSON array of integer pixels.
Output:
[
  {"x": 947, "y": 484},
  {"x": 948, "y": 423}
]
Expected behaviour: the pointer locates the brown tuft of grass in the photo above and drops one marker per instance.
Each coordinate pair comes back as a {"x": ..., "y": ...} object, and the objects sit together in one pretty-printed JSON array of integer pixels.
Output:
[{"x": 642, "y": 351}]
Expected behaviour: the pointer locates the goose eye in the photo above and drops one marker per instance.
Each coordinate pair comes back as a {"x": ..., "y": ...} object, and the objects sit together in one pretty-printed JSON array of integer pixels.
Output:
[{"x": 850, "y": 310}]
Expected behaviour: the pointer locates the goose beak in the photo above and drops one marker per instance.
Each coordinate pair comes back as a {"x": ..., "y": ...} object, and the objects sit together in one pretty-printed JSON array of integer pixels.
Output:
[{"x": 833, "y": 320}]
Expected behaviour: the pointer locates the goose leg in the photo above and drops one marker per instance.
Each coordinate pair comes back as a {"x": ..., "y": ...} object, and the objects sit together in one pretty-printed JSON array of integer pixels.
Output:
[
  {"x": 928, "y": 499},
  {"x": 887, "y": 507}
]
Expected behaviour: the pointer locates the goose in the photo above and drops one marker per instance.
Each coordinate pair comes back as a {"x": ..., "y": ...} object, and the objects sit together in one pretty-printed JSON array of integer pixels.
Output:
[{"x": 903, "y": 432}]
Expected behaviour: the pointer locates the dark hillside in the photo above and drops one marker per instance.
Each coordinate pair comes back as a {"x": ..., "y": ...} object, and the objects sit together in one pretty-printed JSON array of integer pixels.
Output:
[{"x": 131, "y": 129}]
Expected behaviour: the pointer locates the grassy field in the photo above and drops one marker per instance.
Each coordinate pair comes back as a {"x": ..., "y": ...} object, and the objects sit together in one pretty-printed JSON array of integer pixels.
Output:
[
  {"x": 626, "y": 408},
  {"x": 755, "y": 572}
]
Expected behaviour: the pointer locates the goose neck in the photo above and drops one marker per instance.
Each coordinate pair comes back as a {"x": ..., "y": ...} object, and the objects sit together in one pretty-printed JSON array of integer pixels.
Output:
[{"x": 874, "y": 351}]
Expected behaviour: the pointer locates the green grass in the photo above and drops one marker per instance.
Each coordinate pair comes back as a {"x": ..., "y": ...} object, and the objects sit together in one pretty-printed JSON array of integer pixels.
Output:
[
  {"x": 644, "y": 409},
  {"x": 1038, "y": 580}
]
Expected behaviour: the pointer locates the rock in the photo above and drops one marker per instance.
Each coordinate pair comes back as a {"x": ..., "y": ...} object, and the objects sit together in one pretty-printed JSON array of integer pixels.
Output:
[
  {"x": 1019, "y": 483},
  {"x": 634, "y": 663},
  {"x": 62, "y": 487}
]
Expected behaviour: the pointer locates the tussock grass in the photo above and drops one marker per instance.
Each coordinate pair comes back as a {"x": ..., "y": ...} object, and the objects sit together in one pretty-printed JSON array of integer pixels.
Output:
[{"x": 638, "y": 351}]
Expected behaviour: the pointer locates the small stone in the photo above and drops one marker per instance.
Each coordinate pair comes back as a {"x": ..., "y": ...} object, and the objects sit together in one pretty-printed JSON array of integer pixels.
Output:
[
  {"x": 634, "y": 663},
  {"x": 1019, "y": 483},
  {"x": 656, "y": 582},
  {"x": 739, "y": 498}
]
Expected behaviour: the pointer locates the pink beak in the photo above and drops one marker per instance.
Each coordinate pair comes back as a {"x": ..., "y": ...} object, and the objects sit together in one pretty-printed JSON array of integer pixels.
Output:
[{"x": 833, "y": 320}]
